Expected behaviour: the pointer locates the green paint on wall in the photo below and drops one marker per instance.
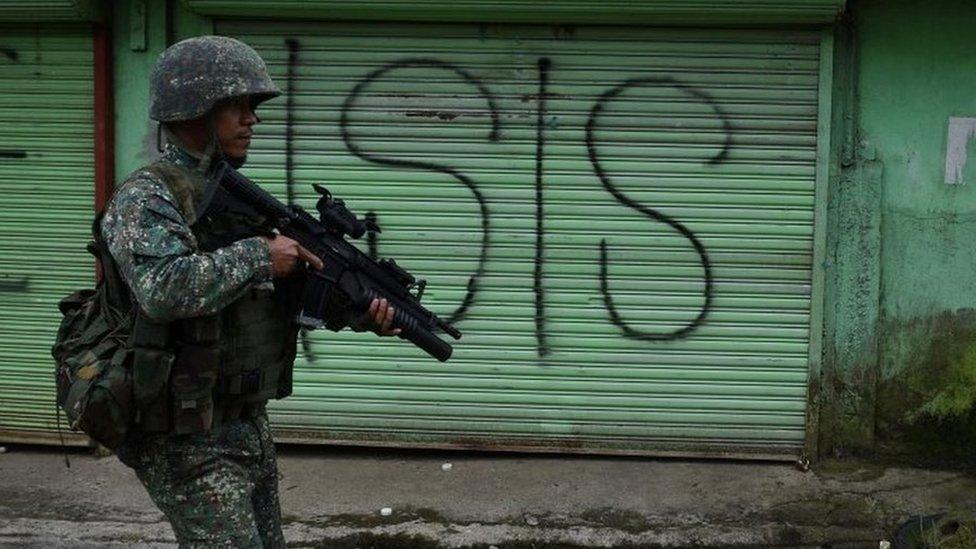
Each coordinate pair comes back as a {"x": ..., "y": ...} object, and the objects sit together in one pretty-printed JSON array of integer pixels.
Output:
[
  {"x": 899, "y": 356},
  {"x": 135, "y": 134},
  {"x": 915, "y": 73},
  {"x": 852, "y": 286},
  {"x": 187, "y": 24},
  {"x": 166, "y": 22}
]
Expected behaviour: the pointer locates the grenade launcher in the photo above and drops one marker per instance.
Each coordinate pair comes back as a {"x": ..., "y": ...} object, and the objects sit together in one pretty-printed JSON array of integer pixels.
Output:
[{"x": 358, "y": 277}]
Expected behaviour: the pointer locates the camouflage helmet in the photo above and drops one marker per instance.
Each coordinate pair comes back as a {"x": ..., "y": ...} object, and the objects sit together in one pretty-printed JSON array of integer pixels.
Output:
[{"x": 191, "y": 76}]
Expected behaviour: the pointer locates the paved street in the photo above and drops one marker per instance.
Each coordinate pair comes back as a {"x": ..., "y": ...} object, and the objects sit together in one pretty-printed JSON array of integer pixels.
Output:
[{"x": 333, "y": 497}]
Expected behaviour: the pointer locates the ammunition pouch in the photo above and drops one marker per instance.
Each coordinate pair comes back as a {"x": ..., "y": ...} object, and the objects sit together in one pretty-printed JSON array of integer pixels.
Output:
[
  {"x": 195, "y": 374},
  {"x": 152, "y": 365}
]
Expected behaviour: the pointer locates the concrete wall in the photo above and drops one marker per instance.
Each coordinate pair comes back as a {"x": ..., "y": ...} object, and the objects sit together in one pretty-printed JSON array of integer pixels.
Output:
[{"x": 903, "y": 333}]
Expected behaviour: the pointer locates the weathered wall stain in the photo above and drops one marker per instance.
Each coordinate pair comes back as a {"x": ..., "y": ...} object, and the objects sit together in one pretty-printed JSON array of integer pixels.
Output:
[
  {"x": 441, "y": 115},
  {"x": 927, "y": 390}
]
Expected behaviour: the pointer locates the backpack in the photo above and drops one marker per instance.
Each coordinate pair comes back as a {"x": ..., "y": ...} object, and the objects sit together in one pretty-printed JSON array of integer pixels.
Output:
[{"x": 93, "y": 375}]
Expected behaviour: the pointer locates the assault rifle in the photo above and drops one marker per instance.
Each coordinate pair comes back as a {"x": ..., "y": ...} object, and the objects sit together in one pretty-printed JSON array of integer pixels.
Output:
[{"x": 357, "y": 276}]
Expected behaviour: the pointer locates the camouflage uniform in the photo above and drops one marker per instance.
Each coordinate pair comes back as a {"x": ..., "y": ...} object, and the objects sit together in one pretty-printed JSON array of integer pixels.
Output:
[{"x": 218, "y": 487}]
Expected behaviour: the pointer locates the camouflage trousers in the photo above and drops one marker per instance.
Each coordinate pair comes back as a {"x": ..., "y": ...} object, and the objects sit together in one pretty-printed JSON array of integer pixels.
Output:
[{"x": 218, "y": 489}]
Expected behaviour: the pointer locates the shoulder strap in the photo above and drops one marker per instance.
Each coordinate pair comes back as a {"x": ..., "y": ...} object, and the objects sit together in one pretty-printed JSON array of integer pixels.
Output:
[{"x": 117, "y": 300}]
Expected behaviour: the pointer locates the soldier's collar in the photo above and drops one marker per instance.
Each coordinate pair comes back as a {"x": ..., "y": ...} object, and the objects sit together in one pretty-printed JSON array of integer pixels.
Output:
[
  {"x": 177, "y": 153},
  {"x": 182, "y": 157}
]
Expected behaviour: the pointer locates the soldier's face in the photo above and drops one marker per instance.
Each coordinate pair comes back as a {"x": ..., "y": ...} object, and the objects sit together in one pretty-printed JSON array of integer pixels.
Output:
[{"x": 234, "y": 121}]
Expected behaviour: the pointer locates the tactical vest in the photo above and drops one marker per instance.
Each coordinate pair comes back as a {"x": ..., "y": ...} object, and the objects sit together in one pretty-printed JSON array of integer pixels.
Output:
[{"x": 193, "y": 374}]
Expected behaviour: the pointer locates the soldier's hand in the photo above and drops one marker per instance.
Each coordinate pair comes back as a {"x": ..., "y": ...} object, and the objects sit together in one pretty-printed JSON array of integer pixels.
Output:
[
  {"x": 381, "y": 313},
  {"x": 287, "y": 256}
]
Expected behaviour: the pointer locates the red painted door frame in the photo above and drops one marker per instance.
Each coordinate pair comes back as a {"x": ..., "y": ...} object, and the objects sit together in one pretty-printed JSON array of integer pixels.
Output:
[{"x": 104, "y": 116}]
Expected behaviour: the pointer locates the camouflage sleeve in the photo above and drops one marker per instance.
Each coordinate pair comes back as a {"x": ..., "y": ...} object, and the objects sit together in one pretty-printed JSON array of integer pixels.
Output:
[{"x": 156, "y": 253}]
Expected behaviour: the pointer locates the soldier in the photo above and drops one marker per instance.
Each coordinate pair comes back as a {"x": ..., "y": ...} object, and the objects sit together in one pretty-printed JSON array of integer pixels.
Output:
[{"x": 212, "y": 341}]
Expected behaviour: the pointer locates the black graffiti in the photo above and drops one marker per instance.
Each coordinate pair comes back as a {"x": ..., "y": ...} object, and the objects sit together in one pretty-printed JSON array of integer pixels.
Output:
[
  {"x": 307, "y": 350},
  {"x": 292, "y": 45},
  {"x": 304, "y": 334},
  {"x": 544, "y": 66},
  {"x": 349, "y": 105},
  {"x": 591, "y": 147},
  {"x": 17, "y": 285},
  {"x": 540, "y": 304},
  {"x": 12, "y": 55},
  {"x": 372, "y": 220}
]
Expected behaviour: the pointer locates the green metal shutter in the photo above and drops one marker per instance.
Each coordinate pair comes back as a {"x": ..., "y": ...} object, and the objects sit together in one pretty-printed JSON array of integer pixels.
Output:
[
  {"x": 51, "y": 10},
  {"x": 706, "y": 137},
  {"x": 47, "y": 190},
  {"x": 628, "y": 12}
]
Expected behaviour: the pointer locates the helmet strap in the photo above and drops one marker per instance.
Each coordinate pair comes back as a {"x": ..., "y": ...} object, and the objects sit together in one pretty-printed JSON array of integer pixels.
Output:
[
  {"x": 212, "y": 151},
  {"x": 159, "y": 137}
]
